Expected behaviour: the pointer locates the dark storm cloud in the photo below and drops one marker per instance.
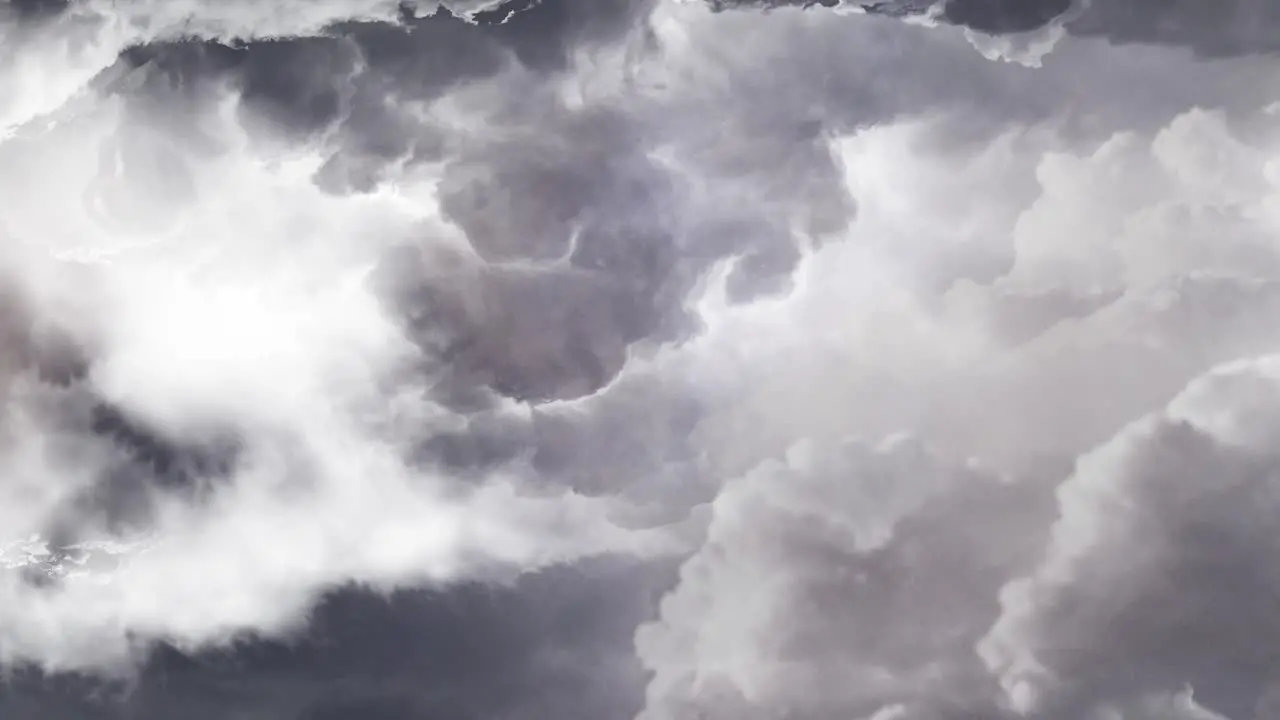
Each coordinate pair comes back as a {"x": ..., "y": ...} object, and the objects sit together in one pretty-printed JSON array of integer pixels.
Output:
[
  {"x": 561, "y": 178},
  {"x": 556, "y": 182},
  {"x": 591, "y": 163},
  {"x": 991, "y": 16},
  {"x": 554, "y": 644},
  {"x": 36, "y": 9},
  {"x": 790, "y": 98},
  {"x": 1219, "y": 29},
  {"x": 573, "y": 231},
  {"x": 737, "y": 678},
  {"x": 1003, "y": 16},
  {"x": 358, "y": 75}
]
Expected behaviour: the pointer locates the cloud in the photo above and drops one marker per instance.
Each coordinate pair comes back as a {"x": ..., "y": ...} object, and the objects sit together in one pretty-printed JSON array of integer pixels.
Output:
[
  {"x": 232, "y": 313},
  {"x": 1234, "y": 28},
  {"x": 794, "y": 603},
  {"x": 985, "y": 357},
  {"x": 1155, "y": 575},
  {"x": 392, "y": 360}
]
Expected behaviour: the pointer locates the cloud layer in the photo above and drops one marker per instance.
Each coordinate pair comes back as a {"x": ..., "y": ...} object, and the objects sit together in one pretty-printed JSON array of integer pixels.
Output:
[{"x": 638, "y": 359}]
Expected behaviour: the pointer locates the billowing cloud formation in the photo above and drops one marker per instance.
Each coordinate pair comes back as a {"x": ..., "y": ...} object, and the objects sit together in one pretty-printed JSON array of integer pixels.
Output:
[
  {"x": 1234, "y": 27},
  {"x": 1151, "y": 577},
  {"x": 247, "y": 394},
  {"x": 630, "y": 359},
  {"x": 793, "y": 604}
]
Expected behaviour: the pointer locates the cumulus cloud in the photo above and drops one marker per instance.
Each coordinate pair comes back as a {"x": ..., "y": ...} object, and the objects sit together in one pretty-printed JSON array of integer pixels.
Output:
[
  {"x": 792, "y": 605},
  {"x": 933, "y": 317},
  {"x": 247, "y": 396},
  {"x": 395, "y": 359},
  {"x": 1237, "y": 27},
  {"x": 1155, "y": 574}
]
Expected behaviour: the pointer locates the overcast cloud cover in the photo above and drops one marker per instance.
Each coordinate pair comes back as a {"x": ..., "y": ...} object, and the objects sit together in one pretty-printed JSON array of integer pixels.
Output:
[{"x": 639, "y": 360}]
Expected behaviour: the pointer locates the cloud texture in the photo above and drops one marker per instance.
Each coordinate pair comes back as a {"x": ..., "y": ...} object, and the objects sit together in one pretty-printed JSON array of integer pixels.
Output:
[{"x": 639, "y": 360}]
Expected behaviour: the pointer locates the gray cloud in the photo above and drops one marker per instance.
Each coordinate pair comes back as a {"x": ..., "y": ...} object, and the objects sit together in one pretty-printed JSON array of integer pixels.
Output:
[
  {"x": 1238, "y": 27},
  {"x": 1155, "y": 576},
  {"x": 541, "y": 636},
  {"x": 393, "y": 360},
  {"x": 794, "y": 604}
]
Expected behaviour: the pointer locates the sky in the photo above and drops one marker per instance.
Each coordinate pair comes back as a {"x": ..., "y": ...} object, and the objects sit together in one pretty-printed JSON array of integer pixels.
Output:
[{"x": 639, "y": 360}]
